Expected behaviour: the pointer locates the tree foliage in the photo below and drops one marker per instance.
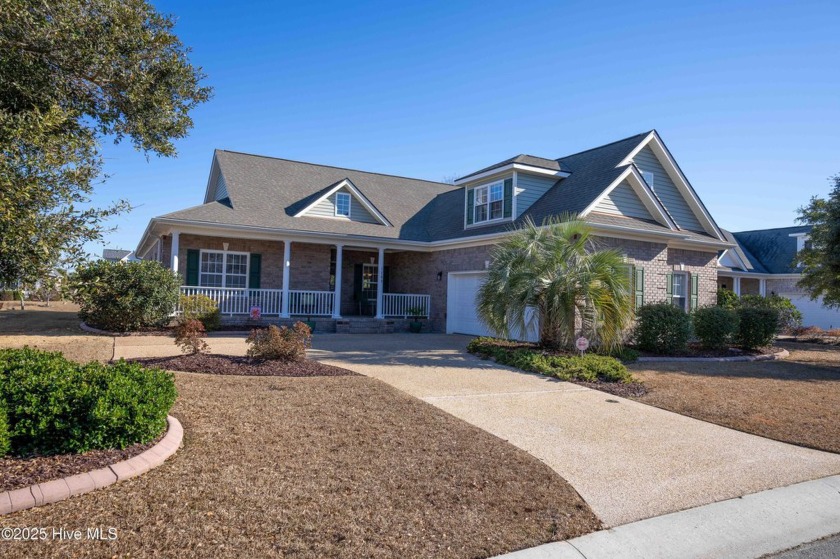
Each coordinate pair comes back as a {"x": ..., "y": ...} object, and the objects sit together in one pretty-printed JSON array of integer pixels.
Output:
[
  {"x": 820, "y": 259},
  {"x": 72, "y": 73},
  {"x": 558, "y": 269}
]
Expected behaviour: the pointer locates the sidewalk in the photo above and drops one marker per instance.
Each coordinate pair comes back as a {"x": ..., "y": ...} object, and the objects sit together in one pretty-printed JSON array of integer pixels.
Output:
[{"x": 745, "y": 528}]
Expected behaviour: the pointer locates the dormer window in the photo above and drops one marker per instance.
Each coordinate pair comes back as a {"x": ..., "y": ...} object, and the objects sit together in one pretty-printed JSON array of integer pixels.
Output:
[
  {"x": 489, "y": 202},
  {"x": 342, "y": 204}
]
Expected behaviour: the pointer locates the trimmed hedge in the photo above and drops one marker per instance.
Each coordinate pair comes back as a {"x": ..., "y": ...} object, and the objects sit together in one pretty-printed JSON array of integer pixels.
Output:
[
  {"x": 756, "y": 327},
  {"x": 203, "y": 308},
  {"x": 124, "y": 296},
  {"x": 5, "y": 443},
  {"x": 715, "y": 326},
  {"x": 589, "y": 367},
  {"x": 56, "y": 406},
  {"x": 662, "y": 328}
]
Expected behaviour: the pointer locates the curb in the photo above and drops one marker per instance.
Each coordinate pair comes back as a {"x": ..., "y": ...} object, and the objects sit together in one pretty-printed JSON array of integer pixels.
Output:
[
  {"x": 783, "y": 354},
  {"x": 745, "y": 527},
  {"x": 57, "y": 490}
]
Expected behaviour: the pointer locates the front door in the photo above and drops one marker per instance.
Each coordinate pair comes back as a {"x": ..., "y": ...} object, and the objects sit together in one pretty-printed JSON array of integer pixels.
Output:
[{"x": 365, "y": 285}]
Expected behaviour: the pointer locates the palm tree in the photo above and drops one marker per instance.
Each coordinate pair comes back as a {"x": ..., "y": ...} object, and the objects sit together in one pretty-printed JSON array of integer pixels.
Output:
[{"x": 558, "y": 270}]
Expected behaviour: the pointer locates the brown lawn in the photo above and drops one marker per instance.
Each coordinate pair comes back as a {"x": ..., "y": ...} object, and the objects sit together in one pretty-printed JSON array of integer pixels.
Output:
[
  {"x": 53, "y": 328},
  {"x": 342, "y": 466},
  {"x": 794, "y": 400}
]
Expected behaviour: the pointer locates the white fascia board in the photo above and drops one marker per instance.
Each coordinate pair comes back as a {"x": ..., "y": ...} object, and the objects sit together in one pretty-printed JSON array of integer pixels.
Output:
[
  {"x": 356, "y": 192},
  {"x": 757, "y": 275},
  {"x": 640, "y": 188},
  {"x": 799, "y": 235},
  {"x": 508, "y": 168},
  {"x": 735, "y": 258},
  {"x": 677, "y": 177}
]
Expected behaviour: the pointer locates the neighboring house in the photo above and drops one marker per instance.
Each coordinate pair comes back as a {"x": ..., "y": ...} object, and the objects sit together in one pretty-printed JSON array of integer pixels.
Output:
[
  {"x": 299, "y": 239},
  {"x": 118, "y": 255},
  {"x": 762, "y": 263}
]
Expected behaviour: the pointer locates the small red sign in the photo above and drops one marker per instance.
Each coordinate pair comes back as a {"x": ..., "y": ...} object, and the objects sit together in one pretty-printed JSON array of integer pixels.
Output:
[
  {"x": 582, "y": 344},
  {"x": 255, "y": 313}
]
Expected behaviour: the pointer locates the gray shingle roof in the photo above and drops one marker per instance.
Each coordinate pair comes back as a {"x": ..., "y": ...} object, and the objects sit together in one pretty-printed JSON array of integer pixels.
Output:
[
  {"x": 773, "y": 250},
  {"x": 531, "y": 160},
  {"x": 114, "y": 254},
  {"x": 268, "y": 192}
]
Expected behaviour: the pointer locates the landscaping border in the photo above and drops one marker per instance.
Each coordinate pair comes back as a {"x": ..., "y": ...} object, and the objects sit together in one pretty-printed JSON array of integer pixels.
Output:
[
  {"x": 783, "y": 354},
  {"x": 63, "y": 488}
]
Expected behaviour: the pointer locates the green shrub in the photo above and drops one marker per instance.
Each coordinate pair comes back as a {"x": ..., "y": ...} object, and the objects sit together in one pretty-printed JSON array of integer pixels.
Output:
[
  {"x": 662, "y": 328},
  {"x": 589, "y": 367},
  {"x": 280, "y": 344},
  {"x": 188, "y": 336},
  {"x": 57, "y": 406},
  {"x": 756, "y": 327},
  {"x": 9, "y": 295},
  {"x": 714, "y": 326},
  {"x": 5, "y": 442},
  {"x": 790, "y": 318},
  {"x": 727, "y": 299},
  {"x": 124, "y": 296},
  {"x": 201, "y": 307}
]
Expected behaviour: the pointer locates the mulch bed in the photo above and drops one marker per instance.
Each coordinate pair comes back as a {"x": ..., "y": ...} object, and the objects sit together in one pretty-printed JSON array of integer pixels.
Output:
[
  {"x": 16, "y": 473},
  {"x": 244, "y": 366},
  {"x": 622, "y": 389},
  {"x": 694, "y": 350}
]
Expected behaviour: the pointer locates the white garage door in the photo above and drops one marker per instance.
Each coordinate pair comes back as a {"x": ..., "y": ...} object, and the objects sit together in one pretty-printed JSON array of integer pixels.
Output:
[
  {"x": 461, "y": 316},
  {"x": 813, "y": 313}
]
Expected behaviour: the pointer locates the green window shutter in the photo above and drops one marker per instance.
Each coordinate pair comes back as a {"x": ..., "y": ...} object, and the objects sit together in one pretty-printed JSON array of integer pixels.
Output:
[
  {"x": 669, "y": 287},
  {"x": 255, "y": 271},
  {"x": 193, "y": 256},
  {"x": 695, "y": 289},
  {"x": 470, "y": 206},
  {"x": 386, "y": 280},
  {"x": 639, "y": 286},
  {"x": 508, "y": 197}
]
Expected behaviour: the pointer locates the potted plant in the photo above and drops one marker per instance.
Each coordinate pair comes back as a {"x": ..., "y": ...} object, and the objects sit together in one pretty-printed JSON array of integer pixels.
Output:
[
  {"x": 416, "y": 313},
  {"x": 309, "y": 322}
]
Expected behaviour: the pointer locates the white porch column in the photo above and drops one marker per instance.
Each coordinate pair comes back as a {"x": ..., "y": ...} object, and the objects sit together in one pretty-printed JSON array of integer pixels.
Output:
[
  {"x": 762, "y": 287},
  {"x": 287, "y": 262},
  {"x": 173, "y": 257},
  {"x": 337, "y": 296},
  {"x": 736, "y": 286},
  {"x": 380, "y": 283}
]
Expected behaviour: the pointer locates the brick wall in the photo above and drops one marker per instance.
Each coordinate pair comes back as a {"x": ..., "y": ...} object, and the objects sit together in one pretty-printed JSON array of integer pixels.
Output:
[
  {"x": 271, "y": 251},
  {"x": 783, "y": 286}
]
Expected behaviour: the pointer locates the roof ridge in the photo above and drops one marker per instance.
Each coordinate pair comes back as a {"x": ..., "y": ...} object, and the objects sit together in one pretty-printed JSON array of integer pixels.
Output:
[
  {"x": 769, "y": 229},
  {"x": 606, "y": 145},
  {"x": 332, "y": 167}
]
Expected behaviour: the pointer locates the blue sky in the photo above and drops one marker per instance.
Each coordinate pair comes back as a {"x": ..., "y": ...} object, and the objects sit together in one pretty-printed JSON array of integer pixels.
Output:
[{"x": 745, "y": 94}]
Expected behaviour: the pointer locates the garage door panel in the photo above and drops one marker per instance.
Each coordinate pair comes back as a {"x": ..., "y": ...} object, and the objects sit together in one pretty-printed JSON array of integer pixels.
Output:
[
  {"x": 813, "y": 313},
  {"x": 462, "y": 316}
]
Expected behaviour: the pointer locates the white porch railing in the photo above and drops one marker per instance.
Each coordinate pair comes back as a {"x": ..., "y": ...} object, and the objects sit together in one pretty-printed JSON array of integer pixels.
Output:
[
  {"x": 311, "y": 303},
  {"x": 239, "y": 301},
  {"x": 403, "y": 304}
]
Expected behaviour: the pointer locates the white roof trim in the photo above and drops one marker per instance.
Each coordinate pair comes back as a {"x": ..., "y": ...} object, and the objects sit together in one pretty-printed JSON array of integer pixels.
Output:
[
  {"x": 679, "y": 180},
  {"x": 347, "y": 183},
  {"x": 511, "y": 167},
  {"x": 631, "y": 175},
  {"x": 728, "y": 253}
]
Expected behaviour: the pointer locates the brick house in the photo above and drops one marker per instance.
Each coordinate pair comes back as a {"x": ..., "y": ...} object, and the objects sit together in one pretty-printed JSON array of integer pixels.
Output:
[{"x": 296, "y": 239}]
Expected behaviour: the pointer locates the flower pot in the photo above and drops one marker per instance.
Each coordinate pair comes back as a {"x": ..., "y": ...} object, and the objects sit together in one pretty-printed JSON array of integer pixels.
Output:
[{"x": 415, "y": 327}]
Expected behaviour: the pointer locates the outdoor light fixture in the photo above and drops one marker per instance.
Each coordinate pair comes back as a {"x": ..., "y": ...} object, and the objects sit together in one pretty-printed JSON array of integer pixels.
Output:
[
  {"x": 440, "y": 276},
  {"x": 486, "y": 264},
  {"x": 372, "y": 259},
  {"x": 225, "y": 246}
]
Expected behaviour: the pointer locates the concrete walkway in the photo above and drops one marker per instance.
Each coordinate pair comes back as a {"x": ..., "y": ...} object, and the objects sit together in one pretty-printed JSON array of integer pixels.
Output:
[{"x": 629, "y": 461}]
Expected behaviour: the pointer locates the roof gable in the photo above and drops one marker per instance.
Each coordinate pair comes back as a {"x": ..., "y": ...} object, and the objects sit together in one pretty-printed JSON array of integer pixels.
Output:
[
  {"x": 773, "y": 249},
  {"x": 325, "y": 200}
]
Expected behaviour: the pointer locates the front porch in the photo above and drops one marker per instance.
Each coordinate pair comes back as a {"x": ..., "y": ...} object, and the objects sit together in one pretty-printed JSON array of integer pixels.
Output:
[
  {"x": 256, "y": 280},
  {"x": 742, "y": 283}
]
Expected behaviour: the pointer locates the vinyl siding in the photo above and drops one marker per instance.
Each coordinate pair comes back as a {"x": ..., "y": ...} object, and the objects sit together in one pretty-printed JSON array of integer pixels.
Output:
[
  {"x": 667, "y": 191},
  {"x": 326, "y": 208},
  {"x": 221, "y": 188},
  {"x": 623, "y": 201},
  {"x": 530, "y": 189}
]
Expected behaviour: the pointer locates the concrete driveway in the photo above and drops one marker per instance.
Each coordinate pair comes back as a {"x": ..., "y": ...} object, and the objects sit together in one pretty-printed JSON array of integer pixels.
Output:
[{"x": 629, "y": 461}]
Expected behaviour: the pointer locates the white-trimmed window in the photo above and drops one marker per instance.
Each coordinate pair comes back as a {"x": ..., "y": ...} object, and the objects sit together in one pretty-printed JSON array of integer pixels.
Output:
[
  {"x": 220, "y": 268},
  {"x": 342, "y": 204},
  {"x": 489, "y": 202},
  {"x": 679, "y": 290}
]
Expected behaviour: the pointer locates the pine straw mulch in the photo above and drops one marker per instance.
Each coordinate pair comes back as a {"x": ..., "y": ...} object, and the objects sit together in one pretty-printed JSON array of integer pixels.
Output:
[
  {"x": 695, "y": 350},
  {"x": 215, "y": 364},
  {"x": 18, "y": 472},
  {"x": 794, "y": 400},
  {"x": 319, "y": 467}
]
